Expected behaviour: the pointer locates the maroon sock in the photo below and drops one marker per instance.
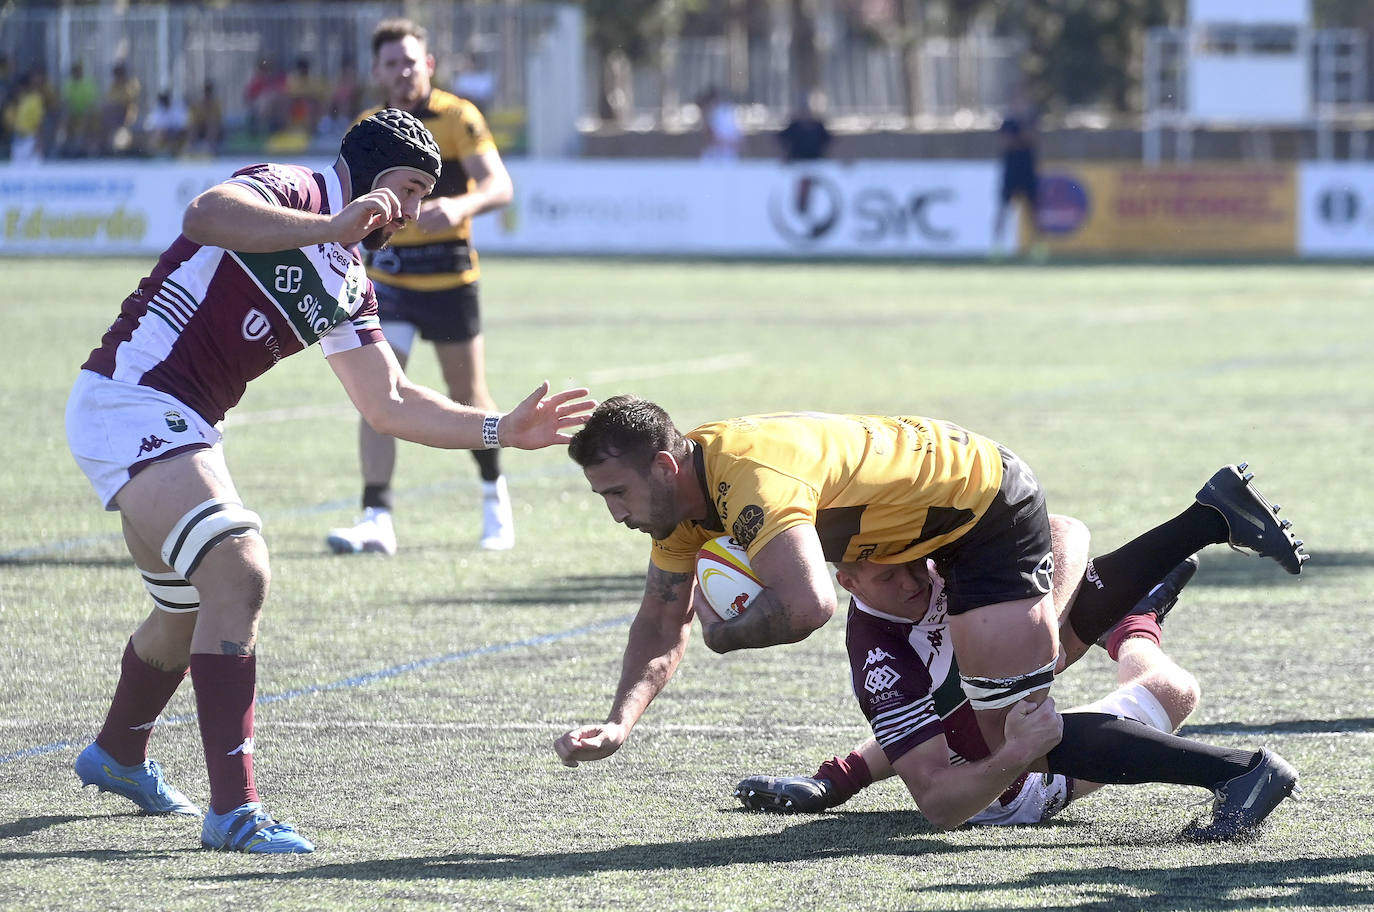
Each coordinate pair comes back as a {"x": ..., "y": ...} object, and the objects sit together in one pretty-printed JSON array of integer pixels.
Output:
[
  {"x": 225, "y": 686},
  {"x": 1133, "y": 625},
  {"x": 849, "y": 776},
  {"x": 140, "y": 697}
]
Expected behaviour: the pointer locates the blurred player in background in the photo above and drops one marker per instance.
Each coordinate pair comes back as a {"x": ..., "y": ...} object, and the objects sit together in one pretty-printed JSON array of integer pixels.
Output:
[
  {"x": 798, "y": 489},
  {"x": 1020, "y": 167},
  {"x": 427, "y": 281},
  {"x": 907, "y": 683},
  {"x": 265, "y": 267}
]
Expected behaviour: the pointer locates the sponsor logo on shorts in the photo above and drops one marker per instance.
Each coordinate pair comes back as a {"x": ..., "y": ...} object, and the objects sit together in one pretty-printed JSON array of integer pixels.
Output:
[
  {"x": 880, "y": 679},
  {"x": 748, "y": 524},
  {"x": 1043, "y": 577},
  {"x": 150, "y": 443},
  {"x": 175, "y": 422}
]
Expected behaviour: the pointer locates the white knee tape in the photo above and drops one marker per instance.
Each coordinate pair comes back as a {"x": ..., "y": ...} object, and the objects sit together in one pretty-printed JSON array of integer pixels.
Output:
[
  {"x": 171, "y": 592},
  {"x": 995, "y": 693},
  {"x": 1132, "y": 701},
  {"x": 202, "y": 528}
]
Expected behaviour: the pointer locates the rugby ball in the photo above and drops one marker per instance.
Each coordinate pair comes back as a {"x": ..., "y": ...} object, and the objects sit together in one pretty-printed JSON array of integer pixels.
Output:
[{"x": 725, "y": 577}]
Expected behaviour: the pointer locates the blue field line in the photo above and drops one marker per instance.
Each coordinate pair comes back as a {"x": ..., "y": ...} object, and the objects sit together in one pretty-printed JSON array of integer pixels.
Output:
[{"x": 382, "y": 674}]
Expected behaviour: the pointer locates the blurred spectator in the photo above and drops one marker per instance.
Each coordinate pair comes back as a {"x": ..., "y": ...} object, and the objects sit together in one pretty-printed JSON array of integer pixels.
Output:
[
  {"x": 1019, "y": 168},
  {"x": 166, "y": 127},
  {"x": 476, "y": 81},
  {"x": 331, "y": 127},
  {"x": 80, "y": 113},
  {"x": 304, "y": 97},
  {"x": 25, "y": 117},
  {"x": 805, "y": 138},
  {"x": 5, "y": 99},
  {"x": 347, "y": 94},
  {"x": 206, "y": 121},
  {"x": 119, "y": 111},
  {"x": 723, "y": 135},
  {"x": 265, "y": 95}
]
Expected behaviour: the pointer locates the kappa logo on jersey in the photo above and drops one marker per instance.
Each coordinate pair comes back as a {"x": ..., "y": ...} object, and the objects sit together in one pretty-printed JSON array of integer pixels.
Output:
[
  {"x": 880, "y": 679},
  {"x": 748, "y": 524},
  {"x": 150, "y": 443},
  {"x": 875, "y": 655},
  {"x": 1044, "y": 573},
  {"x": 936, "y": 638},
  {"x": 175, "y": 422},
  {"x": 245, "y": 748}
]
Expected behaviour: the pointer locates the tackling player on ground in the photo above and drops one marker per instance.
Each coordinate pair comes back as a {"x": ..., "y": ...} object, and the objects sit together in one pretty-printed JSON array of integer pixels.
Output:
[
  {"x": 427, "y": 281},
  {"x": 906, "y": 682},
  {"x": 798, "y": 489},
  {"x": 265, "y": 267}
]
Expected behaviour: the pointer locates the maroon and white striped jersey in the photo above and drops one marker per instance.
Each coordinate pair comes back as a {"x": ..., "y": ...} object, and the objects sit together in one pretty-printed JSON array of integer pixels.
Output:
[
  {"x": 208, "y": 320},
  {"x": 907, "y": 682}
]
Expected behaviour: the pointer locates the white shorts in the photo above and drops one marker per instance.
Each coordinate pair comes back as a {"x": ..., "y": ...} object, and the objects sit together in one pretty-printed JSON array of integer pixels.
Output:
[{"x": 115, "y": 429}]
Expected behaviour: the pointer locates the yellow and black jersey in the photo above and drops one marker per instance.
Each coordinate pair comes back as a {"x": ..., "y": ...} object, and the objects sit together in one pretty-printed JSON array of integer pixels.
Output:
[
  {"x": 435, "y": 261},
  {"x": 887, "y": 489}
]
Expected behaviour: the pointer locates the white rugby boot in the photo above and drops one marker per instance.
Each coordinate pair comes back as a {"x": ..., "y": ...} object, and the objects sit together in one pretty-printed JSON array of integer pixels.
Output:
[
  {"x": 373, "y": 534},
  {"x": 498, "y": 522}
]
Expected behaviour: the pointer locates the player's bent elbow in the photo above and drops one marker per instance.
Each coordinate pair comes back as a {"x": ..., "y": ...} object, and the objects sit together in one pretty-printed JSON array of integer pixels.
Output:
[{"x": 811, "y": 617}]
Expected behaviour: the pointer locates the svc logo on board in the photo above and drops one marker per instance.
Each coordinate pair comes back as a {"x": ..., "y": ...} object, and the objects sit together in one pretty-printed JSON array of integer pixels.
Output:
[
  {"x": 811, "y": 207},
  {"x": 1339, "y": 206}
]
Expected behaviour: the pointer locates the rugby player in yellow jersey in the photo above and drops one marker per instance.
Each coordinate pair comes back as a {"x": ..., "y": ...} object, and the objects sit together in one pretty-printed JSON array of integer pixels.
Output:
[
  {"x": 800, "y": 489},
  {"x": 427, "y": 280}
]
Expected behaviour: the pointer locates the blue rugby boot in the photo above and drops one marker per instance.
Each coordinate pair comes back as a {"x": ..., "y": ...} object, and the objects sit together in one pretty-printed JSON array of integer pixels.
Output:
[
  {"x": 1241, "y": 804},
  {"x": 142, "y": 784},
  {"x": 248, "y": 828}
]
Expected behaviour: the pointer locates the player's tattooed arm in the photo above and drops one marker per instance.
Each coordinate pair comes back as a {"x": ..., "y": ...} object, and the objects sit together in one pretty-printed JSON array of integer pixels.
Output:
[
  {"x": 767, "y": 622},
  {"x": 665, "y": 586}
]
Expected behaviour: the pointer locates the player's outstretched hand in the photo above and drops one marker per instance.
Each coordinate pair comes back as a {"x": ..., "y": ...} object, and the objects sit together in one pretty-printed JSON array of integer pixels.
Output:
[
  {"x": 590, "y": 742},
  {"x": 540, "y": 420},
  {"x": 364, "y": 215},
  {"x": 1035, "y": 728}
]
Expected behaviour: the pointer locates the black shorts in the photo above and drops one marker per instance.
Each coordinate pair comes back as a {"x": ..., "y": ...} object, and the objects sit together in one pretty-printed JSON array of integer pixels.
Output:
[
  {"x": 451, "y": 315},
  {"x": 1019, "y": 179},
  {"x": 1007, "y": 555}
]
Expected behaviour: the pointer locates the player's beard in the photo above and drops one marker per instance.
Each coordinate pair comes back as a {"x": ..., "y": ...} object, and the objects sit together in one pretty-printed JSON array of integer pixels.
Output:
[{"x": 377, "y": 239}]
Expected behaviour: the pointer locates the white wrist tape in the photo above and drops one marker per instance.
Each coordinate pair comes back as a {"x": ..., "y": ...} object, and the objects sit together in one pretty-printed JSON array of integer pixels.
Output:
[{"x": 490, "y": 440}]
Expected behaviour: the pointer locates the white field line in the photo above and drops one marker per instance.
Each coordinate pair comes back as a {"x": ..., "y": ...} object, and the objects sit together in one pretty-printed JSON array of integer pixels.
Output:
[{"x": 670, "y": 728}]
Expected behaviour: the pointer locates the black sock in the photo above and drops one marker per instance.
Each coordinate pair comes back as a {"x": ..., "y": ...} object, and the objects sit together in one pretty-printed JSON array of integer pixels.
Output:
[
  {"x": 489, "y": 464},
  {"x": 377, "y": 496},
  {"x": 1115, "y": 582},
  {"x": 1108, "y": 749}
]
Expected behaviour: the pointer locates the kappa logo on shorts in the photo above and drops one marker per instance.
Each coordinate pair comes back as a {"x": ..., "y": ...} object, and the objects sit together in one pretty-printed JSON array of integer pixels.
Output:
[
  {"x": 150, "y": 443},
  {"x": 175, "y": 422},
  {"x": 748, "y": 524},
  {"x": 875, "y": 655}
]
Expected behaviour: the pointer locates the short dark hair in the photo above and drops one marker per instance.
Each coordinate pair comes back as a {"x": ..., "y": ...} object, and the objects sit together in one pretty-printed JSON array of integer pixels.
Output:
[
  {"x": 626, "y": 427},
  {"x": 389, "y": 30}
]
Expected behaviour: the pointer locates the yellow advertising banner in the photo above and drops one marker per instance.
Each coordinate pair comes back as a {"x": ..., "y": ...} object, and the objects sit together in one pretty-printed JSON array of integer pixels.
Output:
[{"x": 1195, "y": 209}]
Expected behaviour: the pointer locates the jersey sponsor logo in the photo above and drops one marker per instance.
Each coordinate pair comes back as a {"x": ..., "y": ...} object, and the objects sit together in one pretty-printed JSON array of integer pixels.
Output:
[
  {"x": 291, "y": 281},
  {"x": 881, "y": 678},
  {"x": 176, "y": 422},
  {"x": 150, "y": 443},
  {"x": 1043, "y": 577},
  {"x": 748, "y": 524},
  {"x": 875, "y": 655}
]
